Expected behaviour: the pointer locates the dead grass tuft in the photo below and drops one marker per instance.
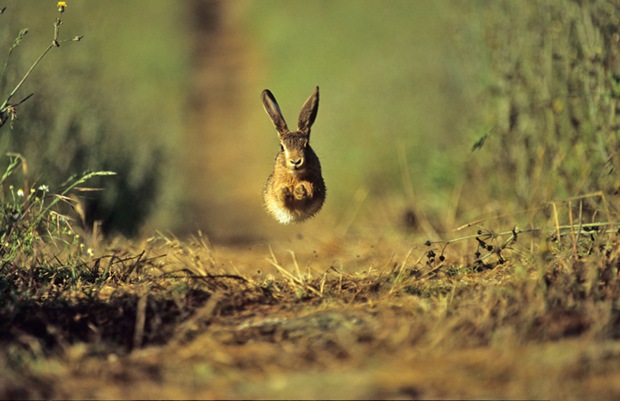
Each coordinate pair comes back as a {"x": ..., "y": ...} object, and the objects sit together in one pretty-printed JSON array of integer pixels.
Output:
[{"x": 227, "y": 322}]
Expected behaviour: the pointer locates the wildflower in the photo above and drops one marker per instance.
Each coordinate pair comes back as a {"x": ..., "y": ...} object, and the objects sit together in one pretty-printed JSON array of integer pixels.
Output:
[
  {"x": 90, "y": 252},
  {"x": 44, "y": 188},
  {"x": 61, "y": 6},
  {"x": 20, "y": 193}
]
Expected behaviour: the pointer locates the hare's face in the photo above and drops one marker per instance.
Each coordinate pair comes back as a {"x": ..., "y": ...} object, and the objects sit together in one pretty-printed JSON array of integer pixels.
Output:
[{"x": 293, "y": 148}]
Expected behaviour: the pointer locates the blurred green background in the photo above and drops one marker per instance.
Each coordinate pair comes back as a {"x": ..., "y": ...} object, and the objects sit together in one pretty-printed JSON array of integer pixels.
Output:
[
  {"x": 113, "y": 101},
  {"x": 431, "y": 113}
]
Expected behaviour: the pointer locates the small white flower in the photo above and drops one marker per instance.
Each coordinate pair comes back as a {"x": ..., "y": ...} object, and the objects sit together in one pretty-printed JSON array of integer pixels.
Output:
[
  {"x": 20, "y": 193},
  {"x": 44, "y": 188},
  {"x": 90, "y": 252}
]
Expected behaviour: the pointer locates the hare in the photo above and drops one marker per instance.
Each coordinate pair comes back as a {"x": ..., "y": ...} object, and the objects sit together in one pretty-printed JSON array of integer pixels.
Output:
[{"x": 295, "y": 190}]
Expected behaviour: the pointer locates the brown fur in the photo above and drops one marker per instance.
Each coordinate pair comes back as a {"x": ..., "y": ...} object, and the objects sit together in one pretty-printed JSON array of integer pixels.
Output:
[{"x": 295, "y": 190}]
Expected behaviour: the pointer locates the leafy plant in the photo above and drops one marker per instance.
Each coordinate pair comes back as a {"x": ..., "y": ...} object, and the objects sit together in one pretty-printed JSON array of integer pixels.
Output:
[
  {"x": 96, "y": 105},
  {"x": 8, "y": 110},
  {"x": 550, "y": 103},
  {"x": 31, "y": 215}
]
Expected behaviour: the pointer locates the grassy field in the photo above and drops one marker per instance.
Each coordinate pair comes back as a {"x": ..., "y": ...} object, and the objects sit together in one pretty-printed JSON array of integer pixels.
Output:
[
  {"x": 519, "y": 315},
  {"x": 468, "y": 249}
]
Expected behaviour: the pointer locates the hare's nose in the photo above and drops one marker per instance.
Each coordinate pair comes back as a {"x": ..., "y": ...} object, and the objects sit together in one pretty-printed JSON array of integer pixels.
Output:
[{"x": 296, "y": 163}]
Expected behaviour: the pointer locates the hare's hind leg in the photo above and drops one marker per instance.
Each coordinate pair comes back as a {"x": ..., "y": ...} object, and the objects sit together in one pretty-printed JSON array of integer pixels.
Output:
[{"x": 277, "y": 201}]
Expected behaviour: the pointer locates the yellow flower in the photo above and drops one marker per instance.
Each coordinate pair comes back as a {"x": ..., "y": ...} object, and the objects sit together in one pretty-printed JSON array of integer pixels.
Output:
[{"x": 61, "y": 6}]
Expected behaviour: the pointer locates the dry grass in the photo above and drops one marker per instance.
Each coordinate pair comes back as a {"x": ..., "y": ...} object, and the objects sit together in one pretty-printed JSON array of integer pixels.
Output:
[{"x": 530, "y": 315}]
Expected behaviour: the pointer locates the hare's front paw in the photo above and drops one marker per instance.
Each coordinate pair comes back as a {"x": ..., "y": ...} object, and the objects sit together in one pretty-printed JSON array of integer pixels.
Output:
[
  {"x": 303, "y": 191},
  {"x": 285, "y": 194}
]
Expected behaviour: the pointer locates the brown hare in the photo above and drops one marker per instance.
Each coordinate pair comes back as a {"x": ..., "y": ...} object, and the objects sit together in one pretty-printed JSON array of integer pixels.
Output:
[{"x": 295, "y": 189}]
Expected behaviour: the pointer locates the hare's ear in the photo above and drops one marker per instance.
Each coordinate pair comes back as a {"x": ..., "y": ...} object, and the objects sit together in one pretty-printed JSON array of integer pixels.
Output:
[
  {"x": 273, "y": 110},
  {"x": 307, "y": 115}
]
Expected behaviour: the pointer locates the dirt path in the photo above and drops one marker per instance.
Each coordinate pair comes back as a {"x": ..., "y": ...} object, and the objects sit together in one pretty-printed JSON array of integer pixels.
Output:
[
  {"x": 224, "y": 184},
  {"x": 190, "y": 320}
]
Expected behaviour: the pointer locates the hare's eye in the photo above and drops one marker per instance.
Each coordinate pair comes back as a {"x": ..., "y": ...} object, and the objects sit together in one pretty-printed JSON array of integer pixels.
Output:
[{"x": 282, "y": 148}]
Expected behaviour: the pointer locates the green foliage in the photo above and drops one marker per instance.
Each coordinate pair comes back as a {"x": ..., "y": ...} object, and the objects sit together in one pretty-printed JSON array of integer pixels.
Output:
[
  {"x": 33, "y": 229},
  {"x": 97, "y": 107},
  {"x": 550, "y": 101}
]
